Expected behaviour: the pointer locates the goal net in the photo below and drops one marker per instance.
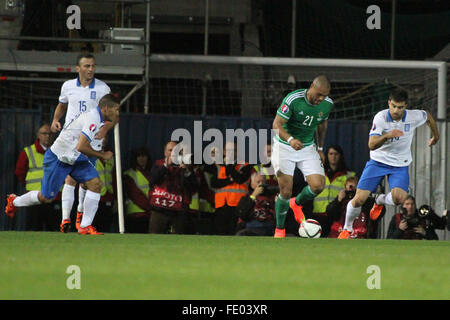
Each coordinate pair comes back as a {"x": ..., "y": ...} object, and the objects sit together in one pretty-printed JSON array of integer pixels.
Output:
[{"x": 254, "y": 87}]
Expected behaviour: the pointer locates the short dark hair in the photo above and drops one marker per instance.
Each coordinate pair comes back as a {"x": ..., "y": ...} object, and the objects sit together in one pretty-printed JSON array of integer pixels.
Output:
[
  {"x": 399, "y": 95},
  {"x": 410, "y": 197},
  {"x": 108, "y": 100},
  {"x": 84, "y": 55}
]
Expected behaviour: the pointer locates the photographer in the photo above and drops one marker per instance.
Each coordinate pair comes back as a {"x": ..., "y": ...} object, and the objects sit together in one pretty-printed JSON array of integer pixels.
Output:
[
  {"x": 257, "y": 209},
  {"x": 363, "y": 227},
  {"x": 172, "y": 185},
  {"x": 415, "y": 224}
]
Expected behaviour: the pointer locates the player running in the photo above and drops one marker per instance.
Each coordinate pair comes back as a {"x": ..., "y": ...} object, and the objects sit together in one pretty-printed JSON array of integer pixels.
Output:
[
  {"x": 301, "y": 113},
  {"x": 79, "y": 95},
  {"x": 390, "y": 155},
  {"x": 69, "y": 156}
]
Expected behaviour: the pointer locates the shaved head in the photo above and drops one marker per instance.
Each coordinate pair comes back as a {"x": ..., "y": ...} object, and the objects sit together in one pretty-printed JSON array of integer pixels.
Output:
[
  {"x": 322, "y": 82},
  {"x": 319, "y": 89}
]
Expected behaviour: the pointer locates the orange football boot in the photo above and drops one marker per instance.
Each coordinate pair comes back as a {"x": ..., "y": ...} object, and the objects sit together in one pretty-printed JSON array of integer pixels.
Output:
[
  {"x": 298, "y": 211},
  {"x": 65, "y": 226},
  {"x": 78, "y": 220},
  {"x": 10, "y": 209},
  {"x": 376, "y": 211},
  {"x": 280, "y": 233},
  {"x": 345, "y": 234},
  {"x": 88, "y": 230}
]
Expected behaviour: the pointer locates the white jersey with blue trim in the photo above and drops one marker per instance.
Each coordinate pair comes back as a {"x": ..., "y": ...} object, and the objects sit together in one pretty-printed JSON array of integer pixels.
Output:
[
  {"x": 81, "y": 99},
  {"x": 86, "y": 123},
  {"x": 396, "y": 152}
]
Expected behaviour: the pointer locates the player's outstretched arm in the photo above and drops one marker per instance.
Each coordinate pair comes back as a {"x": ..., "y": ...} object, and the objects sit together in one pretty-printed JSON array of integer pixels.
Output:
[
  {"x": 60, "y": 111},
  {"x": 434, "y": 130},
  {"x": 377, "y": 141},
  {"x": 84, "y": 146}
]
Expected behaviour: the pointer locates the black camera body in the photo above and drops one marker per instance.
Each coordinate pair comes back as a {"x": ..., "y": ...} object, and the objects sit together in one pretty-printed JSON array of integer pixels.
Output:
[
  {"x": 269, "y": 190},
  {"x": 349, "y": 194}
]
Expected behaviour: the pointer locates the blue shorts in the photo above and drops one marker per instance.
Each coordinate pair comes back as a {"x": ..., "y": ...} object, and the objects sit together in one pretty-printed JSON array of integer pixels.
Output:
[
  {"x": 374, "y": 172},
  {"x": 55, "y": 173}
]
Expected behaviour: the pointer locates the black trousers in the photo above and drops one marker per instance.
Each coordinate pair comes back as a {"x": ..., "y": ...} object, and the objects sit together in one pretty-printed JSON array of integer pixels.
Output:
[
  {"x": 43, "y": 217},
  {"x": 225, "y": 220}
]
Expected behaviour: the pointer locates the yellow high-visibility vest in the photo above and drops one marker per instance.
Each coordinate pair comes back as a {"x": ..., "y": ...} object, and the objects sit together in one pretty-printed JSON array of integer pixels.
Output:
[
  {"x": 105, "y": 172},
  {"x": 330, "y": 192},
  {"x": 142, "y": 183},
  {"x": 35, "y": 171}
]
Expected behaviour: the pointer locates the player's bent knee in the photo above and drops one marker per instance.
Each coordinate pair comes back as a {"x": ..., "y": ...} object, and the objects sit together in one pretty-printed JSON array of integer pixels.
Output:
[{"x": 94, "y": 185}]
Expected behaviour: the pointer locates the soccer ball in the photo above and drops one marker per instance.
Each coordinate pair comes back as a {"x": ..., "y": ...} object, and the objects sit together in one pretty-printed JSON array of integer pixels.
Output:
[{"x": 310, "y": 228}]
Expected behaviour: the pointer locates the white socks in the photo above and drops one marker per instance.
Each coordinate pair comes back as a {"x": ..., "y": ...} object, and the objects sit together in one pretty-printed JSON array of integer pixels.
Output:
[
  {"x": 350, "y": 216},
  {"x": 385, "y": 199},
  {"x": 28, "y": 199},
  {"x": 90, "y": 208},
  {"x": 67, "y": 199},
  {"x": 81, "y": 195}
]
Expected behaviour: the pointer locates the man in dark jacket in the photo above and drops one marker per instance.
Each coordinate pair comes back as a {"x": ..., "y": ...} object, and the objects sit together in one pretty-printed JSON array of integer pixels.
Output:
[{"x": 257, "y": 209}]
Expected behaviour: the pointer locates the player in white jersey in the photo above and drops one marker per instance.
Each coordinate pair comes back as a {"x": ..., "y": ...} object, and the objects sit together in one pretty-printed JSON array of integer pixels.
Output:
[
  {"x": 69, "y": 156},
  {"x": 390, "y": 155},
  {"x": 79, "y": 95}
]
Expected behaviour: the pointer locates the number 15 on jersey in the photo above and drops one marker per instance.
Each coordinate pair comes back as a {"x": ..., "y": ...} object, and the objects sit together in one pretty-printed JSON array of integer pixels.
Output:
[{"x": 83, "y": 106}]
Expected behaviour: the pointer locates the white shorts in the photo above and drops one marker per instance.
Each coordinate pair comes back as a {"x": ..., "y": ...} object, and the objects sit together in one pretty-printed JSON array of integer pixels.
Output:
[{"x": 285, "y": 159}]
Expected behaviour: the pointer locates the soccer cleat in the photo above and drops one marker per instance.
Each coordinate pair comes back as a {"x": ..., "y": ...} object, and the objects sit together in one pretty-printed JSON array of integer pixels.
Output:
[
  {"x": 376, "y": 211},
  {"x": 65, "y": 226},
  {"x": 78, "y": 220},
  {"x": 345, "y": 234},
  {"x": 298, "y": 211},
  {"x": 280, "y": 233},
  {"x": 10, "y": 209},
  {"x": 88, "y": 230}
]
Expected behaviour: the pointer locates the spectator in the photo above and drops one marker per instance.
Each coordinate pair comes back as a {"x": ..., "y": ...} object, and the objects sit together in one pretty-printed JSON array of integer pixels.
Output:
[
  {"x": 257, "y": 209},
  {"x": 173, "y": 183},
  {"x": 107, "y": 206},
  {"x": 415, "y": 224},
  {"x": 29, "y": 171},
  {"x": 200, "y": 217},
  {"x": 137, "y": 192},
  {"x": 267, "y": 169},
  {"x": 363, "y": 227},
  {"x": 231, "y": 184},
  {"x": 336, "y": 174}
]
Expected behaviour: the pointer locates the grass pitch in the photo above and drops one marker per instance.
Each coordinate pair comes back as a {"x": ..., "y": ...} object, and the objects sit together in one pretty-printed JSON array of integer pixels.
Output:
[{"x": 33, "y": 265}]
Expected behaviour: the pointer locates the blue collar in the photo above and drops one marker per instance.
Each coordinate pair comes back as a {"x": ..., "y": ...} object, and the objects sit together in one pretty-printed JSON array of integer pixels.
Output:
[
  {"x": 101, "y": 115},
  {"x": 389, "y": 118},
  {"x": 91, "y": 85}
]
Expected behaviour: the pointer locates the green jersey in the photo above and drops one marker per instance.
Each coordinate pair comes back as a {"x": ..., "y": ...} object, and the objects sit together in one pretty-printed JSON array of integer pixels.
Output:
[{"x": 302, "y": 117}]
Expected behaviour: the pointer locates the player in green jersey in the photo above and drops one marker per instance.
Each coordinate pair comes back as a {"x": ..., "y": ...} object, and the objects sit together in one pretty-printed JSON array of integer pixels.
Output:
[{"x": 300, "y": 115}]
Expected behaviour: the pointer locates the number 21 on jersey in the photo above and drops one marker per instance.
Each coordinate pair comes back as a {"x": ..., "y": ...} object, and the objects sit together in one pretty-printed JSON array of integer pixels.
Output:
[{"x": 308, "y": 120}]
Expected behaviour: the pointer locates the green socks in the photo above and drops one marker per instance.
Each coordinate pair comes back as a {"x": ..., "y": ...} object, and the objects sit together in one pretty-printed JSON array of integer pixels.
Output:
[
  {"x": 306, "y": 195},
  {"x": 281, "y": 209}
]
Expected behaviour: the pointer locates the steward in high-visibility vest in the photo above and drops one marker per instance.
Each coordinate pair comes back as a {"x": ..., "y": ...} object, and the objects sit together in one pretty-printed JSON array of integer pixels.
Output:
[
  {"x": 29, "y": 167},
  {"x": 203, "y": 200},
  {"x": 35, "y": 171},
  {"x": 231, "y": 184},
  {"x": 331, "y": 190},
  {"x": 141, "y": 181},
  {"x": 105, "y": 172},
  {"x": 237, "y": 187},
  {"x": 336, "y": 174}
]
